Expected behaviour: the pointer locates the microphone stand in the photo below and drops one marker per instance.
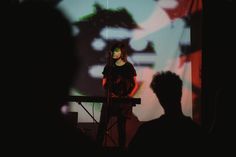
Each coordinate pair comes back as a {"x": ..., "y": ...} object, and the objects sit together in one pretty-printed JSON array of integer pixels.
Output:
[{"x": 109, "y": 93}]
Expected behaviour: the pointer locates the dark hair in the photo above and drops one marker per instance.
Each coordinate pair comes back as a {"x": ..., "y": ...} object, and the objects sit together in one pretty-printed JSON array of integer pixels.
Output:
[
  {"x": 167, "y": 86},
  {"x": 121, "y": 46}
]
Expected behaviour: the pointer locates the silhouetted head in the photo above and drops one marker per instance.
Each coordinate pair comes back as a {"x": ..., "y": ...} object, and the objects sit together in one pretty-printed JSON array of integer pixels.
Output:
[
  {"x": 168, "y": 88},
  {"x": 43, "y": 56},
  {"x": 119, "y": 48}
]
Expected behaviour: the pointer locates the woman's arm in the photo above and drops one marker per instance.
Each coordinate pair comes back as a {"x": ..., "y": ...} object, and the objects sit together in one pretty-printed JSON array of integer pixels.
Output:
[
  {"x": 104, "y": 81},
  {"x": 135, "y": 87}
]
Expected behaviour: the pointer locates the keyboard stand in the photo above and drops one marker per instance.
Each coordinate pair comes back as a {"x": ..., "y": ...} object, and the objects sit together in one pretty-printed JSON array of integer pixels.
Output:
[
  {"x": 87, "y": 112},
  {"x": 106, "y": 133}
]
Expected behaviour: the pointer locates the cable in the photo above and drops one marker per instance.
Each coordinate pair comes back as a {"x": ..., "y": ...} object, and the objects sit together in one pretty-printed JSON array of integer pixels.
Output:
[{"x": 93, "y": 111}]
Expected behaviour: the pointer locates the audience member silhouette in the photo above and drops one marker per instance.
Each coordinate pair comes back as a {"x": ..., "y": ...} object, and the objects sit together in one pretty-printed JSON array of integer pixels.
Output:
[
  {"x": 40, "y": 64},
  {"x": 173, "y": 131}
]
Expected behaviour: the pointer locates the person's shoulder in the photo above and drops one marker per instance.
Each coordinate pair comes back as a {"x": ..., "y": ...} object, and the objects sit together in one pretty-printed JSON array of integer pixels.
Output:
[
  {"x": 129, "y": 64},
  {"x": 153, "y": 123},
  {"x": 105, "y": 67}
]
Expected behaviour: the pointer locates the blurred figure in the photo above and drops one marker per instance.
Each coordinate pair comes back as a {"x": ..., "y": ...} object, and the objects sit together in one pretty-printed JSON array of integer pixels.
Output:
[{"x": 40, "y": 64}]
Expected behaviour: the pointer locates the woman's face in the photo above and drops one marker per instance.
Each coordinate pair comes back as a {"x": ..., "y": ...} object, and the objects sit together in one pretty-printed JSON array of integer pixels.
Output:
[{"x": 116, "y": 53}]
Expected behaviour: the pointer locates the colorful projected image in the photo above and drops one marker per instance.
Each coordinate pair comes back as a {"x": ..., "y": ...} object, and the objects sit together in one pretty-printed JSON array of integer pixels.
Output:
[{"x": 159, "y": 35}]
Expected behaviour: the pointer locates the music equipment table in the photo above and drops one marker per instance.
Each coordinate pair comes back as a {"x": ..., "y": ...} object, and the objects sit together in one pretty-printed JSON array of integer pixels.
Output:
[{"x": 100, "y": 99}]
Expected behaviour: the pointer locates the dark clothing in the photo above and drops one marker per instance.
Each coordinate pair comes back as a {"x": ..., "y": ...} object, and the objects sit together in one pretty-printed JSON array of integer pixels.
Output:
[
  {"x": 122, "y": 83},
  {"x": 167, "y": 134},
  {"x": 121, "y": 77}
]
